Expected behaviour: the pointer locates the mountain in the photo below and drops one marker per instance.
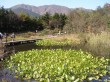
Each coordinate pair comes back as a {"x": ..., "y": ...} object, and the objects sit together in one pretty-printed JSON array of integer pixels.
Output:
[
  {"x": 20, "y": 10},
  {"x": 36, "y": 11},
  {"x": 52, "y": 9},
  {"x": 41, "y": 10}
]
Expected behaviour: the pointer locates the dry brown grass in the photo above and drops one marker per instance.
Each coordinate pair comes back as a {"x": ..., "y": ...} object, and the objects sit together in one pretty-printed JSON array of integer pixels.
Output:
[
  {"x": 72, "y": 37},
  {"x": 97, "y": 44}
]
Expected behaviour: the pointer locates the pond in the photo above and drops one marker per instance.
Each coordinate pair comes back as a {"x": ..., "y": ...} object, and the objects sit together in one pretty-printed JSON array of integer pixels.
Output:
[{"x": 5, "y": 74}]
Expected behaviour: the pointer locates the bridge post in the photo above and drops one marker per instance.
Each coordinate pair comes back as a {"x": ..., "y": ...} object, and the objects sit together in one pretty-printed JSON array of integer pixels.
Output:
[{"x": 1, "y": 48}]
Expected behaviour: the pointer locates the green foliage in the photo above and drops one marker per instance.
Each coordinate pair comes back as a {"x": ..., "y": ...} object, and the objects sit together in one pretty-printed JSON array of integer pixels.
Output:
[
  {"x": 54, "y": 21},
  {"x": 57, "y": 65},
  {"x": 45, "y": 19},
  {"x": 10, "y": 22},
  {"x": 56, "y": 16},
  {"x": 29, "y": 23},
  {"x": 52, "y": 42},
  {"x": 109, "y": 24}
]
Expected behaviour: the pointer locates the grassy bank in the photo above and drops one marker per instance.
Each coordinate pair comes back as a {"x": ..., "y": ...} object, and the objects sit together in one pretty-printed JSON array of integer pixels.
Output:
[{"x": 97, "y": 44}]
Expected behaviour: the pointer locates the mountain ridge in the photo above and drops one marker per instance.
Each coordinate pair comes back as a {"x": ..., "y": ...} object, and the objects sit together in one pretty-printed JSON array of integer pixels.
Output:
[
  {"x": 52, "y": 9},
  {"x": 41, "y": 10}
]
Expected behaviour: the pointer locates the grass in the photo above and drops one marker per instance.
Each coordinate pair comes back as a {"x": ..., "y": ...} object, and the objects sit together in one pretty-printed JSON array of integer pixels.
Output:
[
  {"x": 98, "y": 44},
  {"x": 59, "y": 41}
]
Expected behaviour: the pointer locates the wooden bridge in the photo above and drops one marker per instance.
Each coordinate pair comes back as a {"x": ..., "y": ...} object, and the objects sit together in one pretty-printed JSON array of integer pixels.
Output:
[
  {"x": 19, "y": 42},
  {"x": 4, "y": 45}
]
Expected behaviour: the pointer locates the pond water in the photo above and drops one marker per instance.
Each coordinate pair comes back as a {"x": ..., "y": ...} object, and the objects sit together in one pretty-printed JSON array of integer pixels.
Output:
[
  {"x": 25, "y": 47},
  {"x": 7, "y": 76}
]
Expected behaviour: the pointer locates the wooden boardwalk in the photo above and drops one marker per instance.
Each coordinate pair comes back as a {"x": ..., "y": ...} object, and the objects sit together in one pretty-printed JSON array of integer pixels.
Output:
[
  {"x": 19, "y": 42},
  {"x": 3, "y": 50}
]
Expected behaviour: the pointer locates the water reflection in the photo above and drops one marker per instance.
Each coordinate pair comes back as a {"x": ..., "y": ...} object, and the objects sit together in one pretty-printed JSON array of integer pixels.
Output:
[
  {"x": 26, "y": 47},
  {"x": 23, "y": 47}
]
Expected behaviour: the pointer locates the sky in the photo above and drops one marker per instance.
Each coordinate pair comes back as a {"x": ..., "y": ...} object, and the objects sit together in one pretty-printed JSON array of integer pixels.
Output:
[{"x": 88, "y": 4}]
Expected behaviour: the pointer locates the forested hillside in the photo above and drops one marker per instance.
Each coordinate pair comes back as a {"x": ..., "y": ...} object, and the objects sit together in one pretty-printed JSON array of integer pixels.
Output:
[
  {"x": 78, "y": 20},
  {"x": 10, "y": 22},
  {"x": 94, "y": 21},
  {"x": 21, "y": 10}
]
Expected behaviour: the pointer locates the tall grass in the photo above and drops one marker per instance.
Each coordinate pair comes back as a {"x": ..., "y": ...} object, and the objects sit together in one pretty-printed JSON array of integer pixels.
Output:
[
  {"x": 98, "y": 44},
  {"x": 71, "y": 37}
]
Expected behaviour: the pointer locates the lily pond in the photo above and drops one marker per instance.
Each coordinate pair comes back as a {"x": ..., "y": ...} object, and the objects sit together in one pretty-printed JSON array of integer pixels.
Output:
[{"x": 55, "y": 65}]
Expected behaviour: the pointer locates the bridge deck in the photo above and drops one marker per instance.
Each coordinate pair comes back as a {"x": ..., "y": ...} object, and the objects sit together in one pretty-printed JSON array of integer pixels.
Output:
[{"x": 18, "y": 42}]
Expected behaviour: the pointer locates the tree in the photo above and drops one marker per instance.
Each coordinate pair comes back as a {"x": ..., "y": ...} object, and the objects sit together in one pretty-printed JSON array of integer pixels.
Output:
[
  {"x": 63, "y": 18},
  {"x": 56, "y": 16},
  {"x": 3, "y": 19},
  {"x": 58, "y": 21},
  {"x": 94, "y": 20},
  {"x": 25, "y": 21},
  {"x": 45, "y": 19},
  {"x": 13, "y": 21}
]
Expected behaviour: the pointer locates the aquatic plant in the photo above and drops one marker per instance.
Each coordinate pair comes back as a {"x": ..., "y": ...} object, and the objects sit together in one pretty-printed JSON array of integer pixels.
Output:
[
  {"x": 52, "y": 42},
  {"x": 56, "y": 65}
]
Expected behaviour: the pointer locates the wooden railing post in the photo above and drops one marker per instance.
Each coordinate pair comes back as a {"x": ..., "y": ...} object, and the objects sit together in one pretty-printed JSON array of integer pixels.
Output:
[{"x": 1, "y": 48}]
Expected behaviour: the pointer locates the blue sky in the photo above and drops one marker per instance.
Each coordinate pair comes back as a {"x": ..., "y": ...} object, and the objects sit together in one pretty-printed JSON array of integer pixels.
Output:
[{"x": 89, "y": 4}]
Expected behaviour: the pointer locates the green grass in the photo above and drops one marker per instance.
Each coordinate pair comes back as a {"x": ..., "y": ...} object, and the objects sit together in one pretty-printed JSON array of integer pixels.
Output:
[
  {"x": 53, "y": 42},
  {"x": 56, "y": 65}
]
